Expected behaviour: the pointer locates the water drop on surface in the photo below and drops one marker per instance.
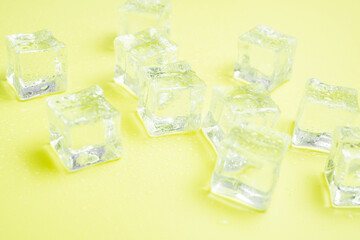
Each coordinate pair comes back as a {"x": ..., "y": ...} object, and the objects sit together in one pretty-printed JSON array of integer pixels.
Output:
[{"x": 223, "y": 221}]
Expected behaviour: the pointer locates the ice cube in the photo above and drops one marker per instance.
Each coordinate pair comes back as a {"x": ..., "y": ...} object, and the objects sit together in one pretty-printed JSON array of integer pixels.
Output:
[
  {"x": 248, "y": 165},
  {"x": 84, "y": 128},
  {"x": 265, "y": 56},
  {"x": 138, "y": 15},
  {"x": 322, "y": 108},
  {"x": 171, "y": 99},
  {"x": 231, "y": 106},
  {"x": 134, "y": 51},
  {"x": 37, "y": 64},
  {"x": 343, "y": 168}
]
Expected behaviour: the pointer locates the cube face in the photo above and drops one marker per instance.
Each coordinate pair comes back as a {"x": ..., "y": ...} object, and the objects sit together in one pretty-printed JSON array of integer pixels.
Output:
[
  {"x": 343, "y": 168},
  {"x": 232, "y": 106},
  {"x": 139, "y": 15},
  {"x": 171, "y": 99},
  {"x": 322, "y": 109},
  {"x": 248, "y": 164},
  {"x": 84, "y": 128},
  {"x": 133, "y": 52},
  {"x": 37, "y": 64},
  {"x": 265, "y": 56}
]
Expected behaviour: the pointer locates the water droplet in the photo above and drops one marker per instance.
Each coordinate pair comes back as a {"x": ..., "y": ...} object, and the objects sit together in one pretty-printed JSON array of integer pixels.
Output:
[{"x": 224, "y": 221}]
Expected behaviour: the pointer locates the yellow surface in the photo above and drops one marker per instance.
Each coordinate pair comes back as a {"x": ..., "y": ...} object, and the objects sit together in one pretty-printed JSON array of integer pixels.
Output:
[{"x": 159, "y": 189}]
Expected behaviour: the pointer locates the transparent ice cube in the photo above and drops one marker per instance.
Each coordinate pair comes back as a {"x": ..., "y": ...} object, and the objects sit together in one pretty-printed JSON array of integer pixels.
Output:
[
  {"x": 171, "y": 99},
  {"x": 343, "y": 168},
  {"x": 248, "y": 165},
  {"x": 265, "y": 56},
  {"x": 134, "y": 51},
  {"x": 84, "y": 128},
  {"x": 37, "y": 64},
  {"x": 231, "y": 106},
  {"x": 322, "y": 108},
  {"x": 137, "y": 15}
]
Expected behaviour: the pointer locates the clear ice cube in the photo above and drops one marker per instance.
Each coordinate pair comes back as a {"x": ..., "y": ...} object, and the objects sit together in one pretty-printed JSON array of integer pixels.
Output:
[
  {"x": 171, "y": 99},
  {"x": 248, "y": 165},
  {"x": 135, "y": 51},
  {"x": 231, "y": 106},
  {"x": 37, "y": 64},
  {"x": 265, "y": 56},
  {"x": 84, "y": 128},
  {"x": 343, "y": 168},
  {"x": 138, "y": 15},
  {"x": 323, "y": 108}
]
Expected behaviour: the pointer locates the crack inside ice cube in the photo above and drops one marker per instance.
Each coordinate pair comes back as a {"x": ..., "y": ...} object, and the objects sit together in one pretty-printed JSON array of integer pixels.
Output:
[{"x": 234, "y": 161}]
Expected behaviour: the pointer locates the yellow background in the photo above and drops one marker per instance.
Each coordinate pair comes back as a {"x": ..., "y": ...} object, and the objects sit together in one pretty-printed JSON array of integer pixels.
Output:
[{"x": 159, "y": 188}]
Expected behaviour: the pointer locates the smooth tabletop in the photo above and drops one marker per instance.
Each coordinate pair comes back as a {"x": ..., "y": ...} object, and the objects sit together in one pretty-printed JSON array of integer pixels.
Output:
[{"x": 159, "y": 189}]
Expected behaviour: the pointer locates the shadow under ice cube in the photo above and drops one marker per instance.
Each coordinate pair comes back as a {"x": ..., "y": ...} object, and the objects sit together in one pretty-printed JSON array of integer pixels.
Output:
[
  {"x": 323, "y": 108},
  {"x": 37, "y": 64},
  {"x": 231, "y": 106},
  {"x": 135, "y": 51},
  {"x": 84, "y": 128},
  {"x": 138, "y": 15},
  {"x": 343, "y": 168},
  {"x": 265, "y": 56},
  {"x": 171, "y": 99},
  {"x": 248, "y": 164}
]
